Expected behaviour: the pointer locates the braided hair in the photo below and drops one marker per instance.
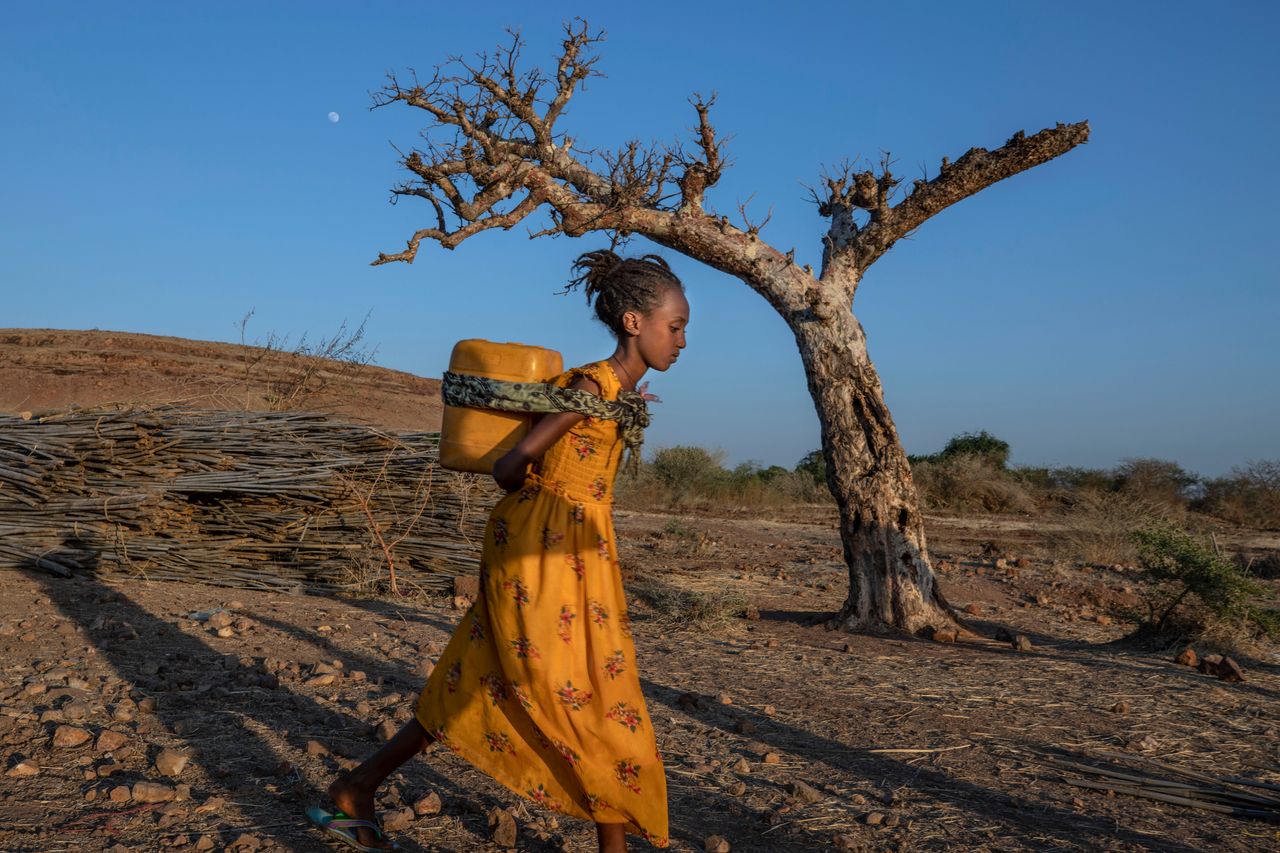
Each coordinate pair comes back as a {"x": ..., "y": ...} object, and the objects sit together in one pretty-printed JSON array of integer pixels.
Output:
[{"x": 615, "y": 285}]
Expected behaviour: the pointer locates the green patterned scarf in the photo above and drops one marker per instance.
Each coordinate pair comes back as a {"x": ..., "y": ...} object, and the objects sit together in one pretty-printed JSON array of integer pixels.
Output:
[{"x": 481, "y": 392}]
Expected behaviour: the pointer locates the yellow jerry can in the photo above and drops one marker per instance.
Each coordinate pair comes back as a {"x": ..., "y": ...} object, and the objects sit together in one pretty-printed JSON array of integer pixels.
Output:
[{"x": 473, "y": 439}]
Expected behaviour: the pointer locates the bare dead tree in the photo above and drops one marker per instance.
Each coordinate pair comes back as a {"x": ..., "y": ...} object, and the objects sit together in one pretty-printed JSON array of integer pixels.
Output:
[{"x": 493, "y": 156}]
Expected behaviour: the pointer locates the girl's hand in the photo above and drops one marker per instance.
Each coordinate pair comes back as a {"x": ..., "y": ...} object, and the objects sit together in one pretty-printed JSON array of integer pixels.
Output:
[{"x": 643, "y": 391}]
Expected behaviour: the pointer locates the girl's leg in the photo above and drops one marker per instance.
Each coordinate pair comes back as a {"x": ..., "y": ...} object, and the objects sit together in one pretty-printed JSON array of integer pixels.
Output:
[
  {"x": 611, "y": 838},
  {"x": 353, "y": 792}
]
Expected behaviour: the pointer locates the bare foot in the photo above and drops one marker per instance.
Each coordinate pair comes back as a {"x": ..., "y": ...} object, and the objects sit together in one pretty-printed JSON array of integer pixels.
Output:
[{"x": 357, "y": 802}]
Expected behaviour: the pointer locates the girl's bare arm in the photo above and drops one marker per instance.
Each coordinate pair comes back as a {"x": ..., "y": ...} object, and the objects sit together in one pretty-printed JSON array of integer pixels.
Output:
[{"x": 509, "y": 470}]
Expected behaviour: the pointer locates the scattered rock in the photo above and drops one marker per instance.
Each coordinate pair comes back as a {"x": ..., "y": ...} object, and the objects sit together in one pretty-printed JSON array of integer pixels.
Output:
[
  {"x": 151, "y": 792},
  {"x": 398, "y": 820},
  {"x": 847, "y": 844},
  {"x": 752, "y": 612},
  {"x": 65, "y": 737},
  {"x": 742, "y": 766},
  {"x": 120, "y": 794},
  {"x": 1187, "y": 657},
  {"x": 804, "y": 792},
  {"x": 1230, "y": 671},
  {"x": 874, "y": 818},
  {"x": 171, "y": 762},
  {"x": 219, "y": 619},
  {"x": 737, "y": 789},
  {"x": 973, "y": 609},
  {"x": 245, "y": 841},
  {"x": 772, "y": 758},
  {"x": 1022, "y": 643},
  {"x": 944, "y": 635},
  {"x": 771, "y": 643},
  {"x": 148, "y": 704},
  {"x": 213, "y": 804},
  {"x": 1142, "y": 744},
  {"x": 466, "y": 586},
  {"x": 23, "y": 769},
  {"x": 1103, "y": 619},
  {"x": 110, "y": 741},
  {"x": 387, "y": 729},
  {"x": 502, "y": 827},
  {"x": 316, "y": 749},
  {"x": 428, "y": 805},
  {"x": 724, "y": 699},
  {"x": 715, "y": 844},
  {"x": 204, "y": 842},
  {"x": 322, "y": 680},
  {"x": 858, "y": 800},
  {"x": 124, "y": 712},
  {"x": 769, "y": 710},
  {"x": 1022, "y": 563},
  {"x": 1120, "y": 707},
  {"x": 75, "y": 710}
]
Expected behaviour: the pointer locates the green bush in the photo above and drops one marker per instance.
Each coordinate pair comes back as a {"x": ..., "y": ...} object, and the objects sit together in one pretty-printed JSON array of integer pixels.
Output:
[
  {"x": 981, "y": 444},
  {"x": 1189, "y": 575}
]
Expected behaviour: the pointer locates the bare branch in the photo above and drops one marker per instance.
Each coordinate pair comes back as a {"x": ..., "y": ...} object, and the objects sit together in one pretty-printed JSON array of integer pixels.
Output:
[{"x": 848, "y": 250}]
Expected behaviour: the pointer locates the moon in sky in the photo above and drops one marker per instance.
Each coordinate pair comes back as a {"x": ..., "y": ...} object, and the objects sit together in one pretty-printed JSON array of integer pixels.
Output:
[{"x": 334, "y": 117}]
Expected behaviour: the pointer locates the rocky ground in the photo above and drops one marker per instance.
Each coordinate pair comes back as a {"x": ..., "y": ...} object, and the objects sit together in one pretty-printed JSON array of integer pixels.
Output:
[{"x": 140, "y": 715}]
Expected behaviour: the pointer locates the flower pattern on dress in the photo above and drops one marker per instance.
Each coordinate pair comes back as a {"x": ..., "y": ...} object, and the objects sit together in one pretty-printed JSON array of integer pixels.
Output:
[
  {"x": 542, "y": 797},
  {"x": 582, "y": 446},
  {"x": 628, "y": 773},
  {"x": 615, "y": 664},
  {"x": 522, "y": 695},
  {"x": 498, "y": 742},
  {"x": 496, "y": 686},
  {"x": 597, "y": 804},
  {"x": 573, "y": 697},
  {"x": 561, "y": 655},
  {"x": 570, "y": 756},
  {"x": 519, "y": 592},
  {"x": 599, "y": 613},
  {"x": 565, "y": 629},
  {"x": 625, "y": 715},
  {"x": 524, "y": 648},
  {"x": 451, "y": 677}
]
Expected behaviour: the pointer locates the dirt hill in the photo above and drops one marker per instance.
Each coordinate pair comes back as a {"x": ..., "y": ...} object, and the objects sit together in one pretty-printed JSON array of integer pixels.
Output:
[{"x": 43, "y": 369}]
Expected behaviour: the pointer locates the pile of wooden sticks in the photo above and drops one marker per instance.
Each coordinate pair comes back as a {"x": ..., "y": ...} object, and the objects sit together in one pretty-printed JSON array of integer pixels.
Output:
[{"x": 268, "y": 500}]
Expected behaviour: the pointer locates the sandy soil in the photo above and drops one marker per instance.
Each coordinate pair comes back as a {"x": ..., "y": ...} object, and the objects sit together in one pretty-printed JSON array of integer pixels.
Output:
[
  {"x": 747, "y": 709},
  {"x": 778, "y": 734}
]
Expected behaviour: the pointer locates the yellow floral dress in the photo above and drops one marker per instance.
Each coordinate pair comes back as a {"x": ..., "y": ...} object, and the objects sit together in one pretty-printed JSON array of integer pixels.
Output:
[{"x": 538, "y": 686}]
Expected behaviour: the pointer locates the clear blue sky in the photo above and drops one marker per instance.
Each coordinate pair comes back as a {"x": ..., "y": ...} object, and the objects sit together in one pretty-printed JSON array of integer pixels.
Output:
[{"x": 166, "y": 167}]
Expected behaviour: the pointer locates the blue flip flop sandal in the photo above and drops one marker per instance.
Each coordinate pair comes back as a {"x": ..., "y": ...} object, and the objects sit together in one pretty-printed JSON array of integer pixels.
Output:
[{"x": 338, "y": 826}]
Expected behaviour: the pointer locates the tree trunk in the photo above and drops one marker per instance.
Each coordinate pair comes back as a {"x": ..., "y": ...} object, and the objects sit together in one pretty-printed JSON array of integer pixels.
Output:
[{"x": 891, "y": 583}]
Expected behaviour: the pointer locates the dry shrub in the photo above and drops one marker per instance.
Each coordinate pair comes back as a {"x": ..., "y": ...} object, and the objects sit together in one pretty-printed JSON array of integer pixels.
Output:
[
  {"x": 680, "y": 609},
  {"x": 969, "y": 482},
  {"x": 1096, "y": 527},
  {"x": 692, "y": 478},
  {"x": 1249, "y": 495}
]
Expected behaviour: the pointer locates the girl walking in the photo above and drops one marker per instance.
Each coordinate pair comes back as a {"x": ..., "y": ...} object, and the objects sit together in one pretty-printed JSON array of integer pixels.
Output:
[{"x": 538, "y": 686}]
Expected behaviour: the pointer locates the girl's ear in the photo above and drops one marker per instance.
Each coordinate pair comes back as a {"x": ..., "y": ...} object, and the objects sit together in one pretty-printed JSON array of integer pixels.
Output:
[{"x": 631, "y": 323}]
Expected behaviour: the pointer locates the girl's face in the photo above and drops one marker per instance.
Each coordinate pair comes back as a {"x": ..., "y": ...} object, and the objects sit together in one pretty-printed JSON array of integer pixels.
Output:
[{"x": 660, "y": 333}]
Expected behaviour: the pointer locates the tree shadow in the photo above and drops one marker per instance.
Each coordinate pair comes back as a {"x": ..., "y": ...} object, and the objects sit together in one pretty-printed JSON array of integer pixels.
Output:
[{"x": 1018, "y": 816}]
